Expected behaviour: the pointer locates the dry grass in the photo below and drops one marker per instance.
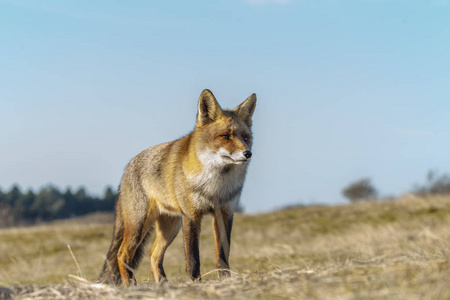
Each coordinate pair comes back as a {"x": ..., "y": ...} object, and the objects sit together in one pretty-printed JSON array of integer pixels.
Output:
[{"x": 373, "y": 250}]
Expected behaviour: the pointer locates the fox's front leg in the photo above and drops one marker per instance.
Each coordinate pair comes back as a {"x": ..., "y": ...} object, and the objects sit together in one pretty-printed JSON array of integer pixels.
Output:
[
  {"x": 223, "y": 223},
  {"x": 191, "y": 231}
]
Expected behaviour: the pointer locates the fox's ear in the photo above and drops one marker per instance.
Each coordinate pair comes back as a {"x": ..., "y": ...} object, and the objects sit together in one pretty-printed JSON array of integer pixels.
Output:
[
  {"x": 245, "y": 110},
  {"x": 208, "y": 108}
]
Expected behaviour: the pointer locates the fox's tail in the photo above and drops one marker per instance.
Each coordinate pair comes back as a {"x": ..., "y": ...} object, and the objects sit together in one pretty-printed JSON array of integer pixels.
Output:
[{"x": 110, "y": 273}]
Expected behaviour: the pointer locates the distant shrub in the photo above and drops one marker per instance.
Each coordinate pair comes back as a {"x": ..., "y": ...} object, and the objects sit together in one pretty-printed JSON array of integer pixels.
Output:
[
  {"x": 435, "y": 185},
  {"x": 360, "y": 190}
]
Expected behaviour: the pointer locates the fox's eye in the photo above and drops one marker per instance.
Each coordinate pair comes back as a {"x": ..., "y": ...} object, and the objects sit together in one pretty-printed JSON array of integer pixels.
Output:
[
  {"x": 226, "y": 136},
  {"x": 245, "y": 138}
]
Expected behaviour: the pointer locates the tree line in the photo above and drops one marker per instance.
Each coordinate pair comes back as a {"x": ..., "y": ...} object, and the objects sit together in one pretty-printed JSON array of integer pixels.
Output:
[{"x": 18, "y": 207}]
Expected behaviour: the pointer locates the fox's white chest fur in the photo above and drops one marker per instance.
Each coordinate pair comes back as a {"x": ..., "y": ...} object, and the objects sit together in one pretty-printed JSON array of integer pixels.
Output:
[{"x": 218, "y": 181}]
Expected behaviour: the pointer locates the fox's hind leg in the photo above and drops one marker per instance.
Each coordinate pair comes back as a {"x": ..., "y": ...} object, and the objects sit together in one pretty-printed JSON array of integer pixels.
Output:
[
  {"x": 223, "y": 223},
  {"x": 137, "y": 221},
  {"x": 167, "y": 228}
]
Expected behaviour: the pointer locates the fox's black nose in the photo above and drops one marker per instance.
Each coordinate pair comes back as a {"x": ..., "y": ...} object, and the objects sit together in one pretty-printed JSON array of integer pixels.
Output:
[{"x": 247, "y": 154}]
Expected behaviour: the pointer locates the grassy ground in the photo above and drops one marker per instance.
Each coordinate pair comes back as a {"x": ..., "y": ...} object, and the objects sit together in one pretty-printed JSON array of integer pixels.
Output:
[{"x": 371, "y": 250}]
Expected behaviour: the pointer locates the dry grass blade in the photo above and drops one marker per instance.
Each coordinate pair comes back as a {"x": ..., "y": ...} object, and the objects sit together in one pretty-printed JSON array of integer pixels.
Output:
[{"x": 75, "y": 260}]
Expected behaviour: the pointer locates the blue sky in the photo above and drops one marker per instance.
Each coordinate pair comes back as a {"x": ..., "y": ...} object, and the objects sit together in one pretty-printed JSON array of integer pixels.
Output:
[{"x": 346, "y": 89}]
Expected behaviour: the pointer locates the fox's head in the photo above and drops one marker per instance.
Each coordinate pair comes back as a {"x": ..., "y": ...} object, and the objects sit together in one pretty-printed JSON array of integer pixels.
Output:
[{"x": 225, "y": 136}]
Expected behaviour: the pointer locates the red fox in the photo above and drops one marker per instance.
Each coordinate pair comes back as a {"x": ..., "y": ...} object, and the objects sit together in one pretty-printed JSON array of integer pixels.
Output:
[{"x": 173, "y": 185}]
